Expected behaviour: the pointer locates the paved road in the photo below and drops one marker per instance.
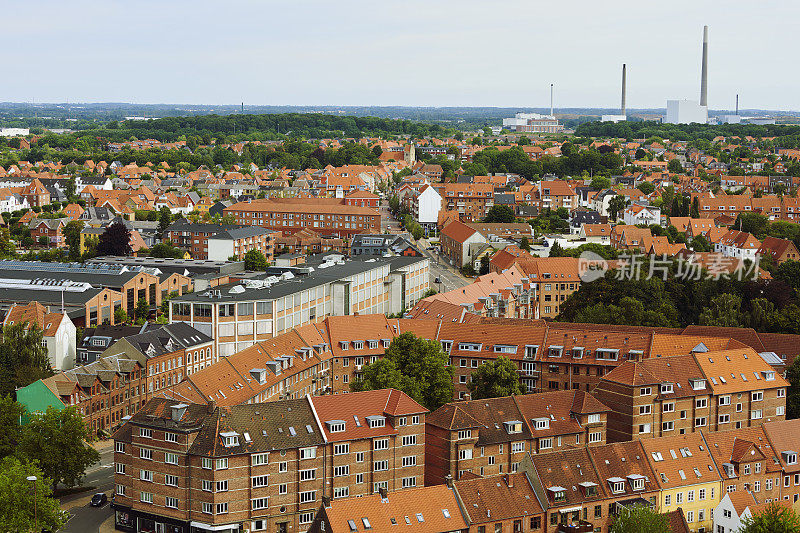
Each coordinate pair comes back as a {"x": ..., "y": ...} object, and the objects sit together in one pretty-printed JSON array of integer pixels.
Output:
[
  {"x": 449, "y": 277},
  {"x": 87, "y": 519},
  {"x": 388, "y": 223}
]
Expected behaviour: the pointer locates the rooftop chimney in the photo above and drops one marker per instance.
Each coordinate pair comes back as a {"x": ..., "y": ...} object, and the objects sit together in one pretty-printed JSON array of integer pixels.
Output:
[
  {"x": 448, "y": 480},
  {"x": 622, "y": 107},
  {"x": 704, "y": 71}
]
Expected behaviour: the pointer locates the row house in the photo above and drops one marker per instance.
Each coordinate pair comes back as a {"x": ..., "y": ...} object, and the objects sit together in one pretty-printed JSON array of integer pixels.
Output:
[
  {"x": 308, "y": 242},
  {"x": 126, "y": 375},
  {"x": 491, "y": 436},
  {"x": 193, "y": 467},
  {"x": 707, "y": 390},
  {"x": 221, "y": 242},
  {"x": 326, "y": 216}
]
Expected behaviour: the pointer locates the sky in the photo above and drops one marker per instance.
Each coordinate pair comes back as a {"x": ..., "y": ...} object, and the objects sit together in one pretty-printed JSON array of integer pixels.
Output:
[{"x": 502, "y": 53}]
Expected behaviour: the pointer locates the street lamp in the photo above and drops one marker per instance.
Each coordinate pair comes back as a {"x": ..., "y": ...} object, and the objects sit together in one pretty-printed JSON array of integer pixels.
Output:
[{"x": 33, "y": 480}]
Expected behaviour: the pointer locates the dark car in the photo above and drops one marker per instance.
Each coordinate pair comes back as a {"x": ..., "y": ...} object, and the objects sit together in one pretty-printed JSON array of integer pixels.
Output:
[{"x": 99, "y": 499}]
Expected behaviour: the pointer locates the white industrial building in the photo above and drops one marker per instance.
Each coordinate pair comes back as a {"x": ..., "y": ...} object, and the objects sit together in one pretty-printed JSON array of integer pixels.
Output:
[
  {"x": 686, "y": 112},
  {"x": 533, "y": 123}
]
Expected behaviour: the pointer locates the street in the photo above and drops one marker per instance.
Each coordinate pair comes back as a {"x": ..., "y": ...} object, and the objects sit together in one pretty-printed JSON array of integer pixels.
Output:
[
  {"x": 84, "y": 518},
  {"x": 439, "y": 269},
  {"x": 388, "y": 223}
]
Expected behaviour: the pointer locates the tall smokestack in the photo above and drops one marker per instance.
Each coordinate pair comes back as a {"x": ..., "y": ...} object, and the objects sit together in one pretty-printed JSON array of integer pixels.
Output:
[
  {"x": 704, "y": 72},
  {"x": 737, "y": 104},
  {"x": 551, "y": 100},
  {"x": 622, "y": 107}
]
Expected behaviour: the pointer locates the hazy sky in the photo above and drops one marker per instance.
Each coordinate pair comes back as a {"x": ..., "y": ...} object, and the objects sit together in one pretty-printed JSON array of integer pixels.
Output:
[{"x": 407, "y": 52}]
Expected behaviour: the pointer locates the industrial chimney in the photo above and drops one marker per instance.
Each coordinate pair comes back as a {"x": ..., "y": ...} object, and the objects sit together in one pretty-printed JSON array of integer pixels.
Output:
[
  {"x": 622, "y": 107},
  {"x": 551, "y": 100},
  {"x": 737, "y": 104},
  {"x": 704, "y": 71}
]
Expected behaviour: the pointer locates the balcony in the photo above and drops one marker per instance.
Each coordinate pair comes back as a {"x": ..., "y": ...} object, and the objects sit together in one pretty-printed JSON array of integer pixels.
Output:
[{"x": 578, "y": 526}]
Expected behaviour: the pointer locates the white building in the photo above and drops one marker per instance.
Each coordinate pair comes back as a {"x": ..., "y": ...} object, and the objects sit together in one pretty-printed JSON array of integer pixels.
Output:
[
  {"x": 14, "y": 132},
  {"x": 732, "y": 510},
  {"x": 533, "y": 123},
  {"x": 641, "y": 214},
  {"x": 58, "y": 332},
  {"x": 13, "y": 202},
  {"x": 613, "y": 118},
  {"x": 739, "y": 244},
  {"x": 425, "y": 207},
  {"x": 686, "y": 112}
]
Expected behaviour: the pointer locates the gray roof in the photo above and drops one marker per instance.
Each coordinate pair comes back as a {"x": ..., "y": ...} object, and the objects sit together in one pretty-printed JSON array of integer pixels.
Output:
[{"x": 301, "y": 280}]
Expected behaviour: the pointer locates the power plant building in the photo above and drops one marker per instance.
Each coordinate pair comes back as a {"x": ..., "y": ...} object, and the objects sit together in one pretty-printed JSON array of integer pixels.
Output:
[
  {"x": 533, "y": 123},
  {"x": 690, "y": 111}
]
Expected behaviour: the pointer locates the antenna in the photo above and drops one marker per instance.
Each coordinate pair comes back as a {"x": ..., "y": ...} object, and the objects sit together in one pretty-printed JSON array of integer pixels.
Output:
[
  {"x": 704, "y": 70},
  {"x": 551, "y": 100}
]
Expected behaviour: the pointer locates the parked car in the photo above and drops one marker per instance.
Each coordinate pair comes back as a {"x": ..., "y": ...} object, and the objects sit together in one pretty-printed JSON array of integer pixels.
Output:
[{"x": 99, "y": 499}]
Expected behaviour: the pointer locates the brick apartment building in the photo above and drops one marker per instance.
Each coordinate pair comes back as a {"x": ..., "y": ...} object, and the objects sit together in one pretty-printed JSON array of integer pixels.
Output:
[
  {"x": 471, "y": 200},
  {"x": 192, "y": 467},
  {"x": 127, "y": 374},
  {"x": 491, "y": 436},
  {"x": 707, "y": 390},
  {"x": 327, "y": 216},
  {"x": 220, "y": 242}
]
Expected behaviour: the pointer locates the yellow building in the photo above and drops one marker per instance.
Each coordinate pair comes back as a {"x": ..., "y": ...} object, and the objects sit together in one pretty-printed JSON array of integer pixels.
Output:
[{"x": 688, "y": 477}]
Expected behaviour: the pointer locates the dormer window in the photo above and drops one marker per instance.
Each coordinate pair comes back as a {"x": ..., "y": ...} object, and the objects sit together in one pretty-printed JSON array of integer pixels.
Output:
[
  {"x": 541, "y": 423},
  {"x": 769, "y": 376},
  {"x": 514, "y": 426},
  {"x": 229, "y": 439},
  {"x": 336, "y": 426},
  {"x": 530, "y": 351},
  {"x": 667, "y": 388},
  {"x": 606, "y": 354},
  {"x": 373, "y": 344},
  {"x": 589, "y": 489},
  {"x": 446, "y": 346},
  {"x": 577, "y": 352},
  {"x": 636, "y": 481},
  {"x": 697, "y": 384},
  {"x": 343, "y": 345},
  {"x": 555, "y": 351},
  {"x": 386, "y": 342},
  {"x": 376, "y": 421},
  {"x": 469, "y": 346},
  {"x": 358, "y": 345},
  {"x": 617, "y": 485},
  {"x": 558, "y": 494},
  {"x": 789, "y": 457},
  {"x": 505, "y": 348}
]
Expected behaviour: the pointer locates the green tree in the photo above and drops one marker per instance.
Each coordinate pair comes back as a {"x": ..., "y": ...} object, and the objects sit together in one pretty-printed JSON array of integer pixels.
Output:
[
  {"x": 675, "y": 166},
  {"x": 524, "y": 244},
  {"x": 415, "y": 366},
  {"x": 646, "y": 187},
  {"x": 499, "y": 213},
  {"x": 72, "y": 236},
  {"x": 71, "y": 188},
  {"x": 26, "y": 505},
  {"x": 23, "y": 359},
  {"x": 789, "y": 272},
  {"x": 616, "y": 205},
  {"x": 164, "y": 220},
  {"x": 495, "y": 379},
  {"x": 10, "y": 428},
  {"x": 44, "y": 240},
  {"x": 6, "y": 246},
  {"x": 556, "y": 250},
  {"x": 640, "y": 519},
  {"x": 115, "y": 240},
  {"x": 120, "y": 315},
  {"x": 724, "y": 311},
  {"x": 700, "y": 244},
  {"x": 793, "y": 395},
  {"x": 377, "y": 150},
  {"x": 255, "y": 260},
  {"x": 56, "y": 441},
  {"x": 600, "y": 183},
  {"x": 142, "y": 311},
  {"x": 776, "y": 518},
  {"x": 695, "y": 210}
]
